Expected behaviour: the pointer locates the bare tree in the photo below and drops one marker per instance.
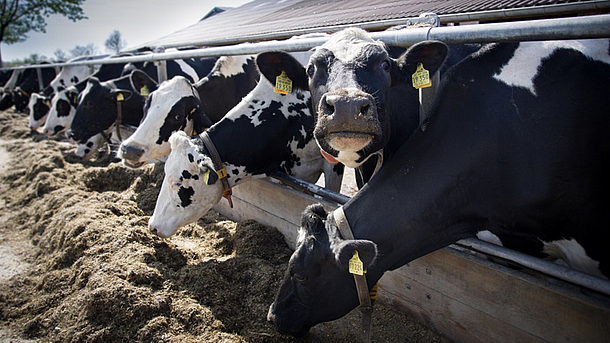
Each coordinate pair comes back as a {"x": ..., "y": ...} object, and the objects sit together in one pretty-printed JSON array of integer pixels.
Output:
[
  {"x": 115, "y": 42},
  {"x": 60, "y": 55},
  {"x": 84, "y": 50}
]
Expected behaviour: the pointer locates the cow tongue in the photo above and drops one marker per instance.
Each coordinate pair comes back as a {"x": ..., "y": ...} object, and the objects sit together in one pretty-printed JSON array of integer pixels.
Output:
[{"x": 328, "y": 157}]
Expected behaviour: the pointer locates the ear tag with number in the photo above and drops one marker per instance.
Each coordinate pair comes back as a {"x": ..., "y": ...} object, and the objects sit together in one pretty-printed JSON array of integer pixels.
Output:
[
  {"x": 421, "y": 77},
  {"x": 283, "y": 84},
  {"x": 355, "y": 265},
  {"x": 120, "y": 97},
  {"x": 222, "y": 173},
  {"x": 144, "y": 91}
]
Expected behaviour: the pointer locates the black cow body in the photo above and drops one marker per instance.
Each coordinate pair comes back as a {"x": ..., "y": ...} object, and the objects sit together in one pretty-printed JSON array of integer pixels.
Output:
[
  {"x": 6, "y": 101},
  {"x": 515, "y": 146},
  {"x": 28, "y": 84},
  {"x": 64, "y": 102}
]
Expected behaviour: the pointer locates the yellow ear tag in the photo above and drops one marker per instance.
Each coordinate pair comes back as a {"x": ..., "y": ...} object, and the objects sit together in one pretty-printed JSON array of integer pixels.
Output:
[
  {"x": 48, "y": 103},
  {"x": 206, "y": 176},
  {"x": 120, "y": 97},
  {"x": 222, "y": 173},
  {"x": 283, "y": 84},
  {"x": 421, "y": 77},
  {"x": 144, "y": 91},
  {"x": 355, "y": 265}
]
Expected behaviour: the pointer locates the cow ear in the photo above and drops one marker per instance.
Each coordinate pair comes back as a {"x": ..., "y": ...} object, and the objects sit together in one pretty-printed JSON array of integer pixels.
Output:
[
  {"x": 313, "y": 219},
  {"x": 72, "y": 97},
  {"x": 200, "y": 119},
  {"x": 121, "y": 94},
  {"x": 272, "y": 63},
  {"x": 207, "y": 172},
  {"x": 344, "y": 251},
  {"x": 140, "y": 79},
  {"x": 431, "y": 54}
]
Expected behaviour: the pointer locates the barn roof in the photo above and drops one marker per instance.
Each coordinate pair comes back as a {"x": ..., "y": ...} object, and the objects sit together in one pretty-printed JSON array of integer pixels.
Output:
[{"x": 260, "y": 18}]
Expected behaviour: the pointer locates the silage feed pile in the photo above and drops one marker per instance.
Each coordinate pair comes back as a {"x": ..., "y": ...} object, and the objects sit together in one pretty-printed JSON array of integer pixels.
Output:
[{"x": 93, "y": 273}]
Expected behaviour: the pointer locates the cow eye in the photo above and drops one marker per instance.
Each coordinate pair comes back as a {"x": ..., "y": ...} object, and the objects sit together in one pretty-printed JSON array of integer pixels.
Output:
[
  {"x": 311, "y": 70},
  {"x": 176, "y": 184},
  {"x": 385, "y": 65},
  {"x": 297, "y": 277}
]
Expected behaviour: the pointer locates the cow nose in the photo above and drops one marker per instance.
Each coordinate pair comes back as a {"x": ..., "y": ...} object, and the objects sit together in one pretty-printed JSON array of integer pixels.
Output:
[
  {"x": 153, "y": 230},
  {"x": 130, "y": 152},
  {"x": 347, "y": 104}
]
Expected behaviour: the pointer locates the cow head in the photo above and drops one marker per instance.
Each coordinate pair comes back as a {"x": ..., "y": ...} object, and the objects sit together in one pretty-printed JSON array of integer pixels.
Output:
[
  {"x": 21, "y": 99},
  {"x": 317, "y": 286},
  {"x": 95, "y": 100},
  {"x": 90, "y": 147},
  {"x": 63, "y": 108},
  {"x": 6, "y": 101},
  {"x": 39, "y": 109},
  {"x": 350, "y": 77},
  {"x": 189, "y": 189},
  {"x": 172, "y": 107}
]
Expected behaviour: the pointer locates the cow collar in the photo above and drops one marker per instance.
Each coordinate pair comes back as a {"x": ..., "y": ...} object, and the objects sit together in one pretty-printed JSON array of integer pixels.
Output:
[
  {"x": 364, "y": 296},
  {"x": 222, "y": 174}
]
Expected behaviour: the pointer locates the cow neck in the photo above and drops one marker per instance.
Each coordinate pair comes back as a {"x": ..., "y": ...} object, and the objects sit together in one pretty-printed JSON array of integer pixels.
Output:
[
  {"x": 365, "y": 297},
  {"x": 218, "y": 165},
  {"x": 413, "y": 200}
]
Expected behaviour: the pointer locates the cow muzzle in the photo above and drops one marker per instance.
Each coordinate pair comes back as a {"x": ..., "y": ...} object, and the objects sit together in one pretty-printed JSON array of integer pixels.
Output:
[
  {"x": 347, "y": 119},
  {"x": 131, "y": 155}
]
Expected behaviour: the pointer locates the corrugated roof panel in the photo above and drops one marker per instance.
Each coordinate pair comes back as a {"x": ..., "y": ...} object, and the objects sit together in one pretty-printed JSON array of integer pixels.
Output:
[{"x": 261, "y": 17}]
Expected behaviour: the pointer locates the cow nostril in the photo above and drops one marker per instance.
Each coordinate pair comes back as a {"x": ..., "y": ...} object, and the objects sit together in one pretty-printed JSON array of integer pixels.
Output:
[
  {"x": 364, "y": 110},
  {"x": 153, "y": 230}
]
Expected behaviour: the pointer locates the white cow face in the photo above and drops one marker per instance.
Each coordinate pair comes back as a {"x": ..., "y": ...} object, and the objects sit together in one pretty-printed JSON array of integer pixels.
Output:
[
  {"x": 168, "y": 109},
  {"x": 39, "y": 109},
  {"x": 62, "y": 112},
  {"x": 90, "y": 147},
  {"x": 189, "y": 190}
]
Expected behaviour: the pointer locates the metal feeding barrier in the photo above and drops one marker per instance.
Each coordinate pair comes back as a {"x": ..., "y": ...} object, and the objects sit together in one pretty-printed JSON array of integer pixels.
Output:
[{"x": 595, "y": 26}]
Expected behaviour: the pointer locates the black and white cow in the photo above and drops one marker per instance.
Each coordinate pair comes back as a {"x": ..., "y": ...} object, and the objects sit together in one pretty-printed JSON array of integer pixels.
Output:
[
  {"x": 97, "y": 109},
  {"x": 40, "y": 103},
  {"x": 177, "y": 104},
  {"x": 6, "y": 101},
  {"x": 64, "y": 102},
  {"x": 359, "y": 107},
  {"x": 265, "y": 132},
  {"x": 28, "y": 84},
  {"x": 515, "y": 147}
]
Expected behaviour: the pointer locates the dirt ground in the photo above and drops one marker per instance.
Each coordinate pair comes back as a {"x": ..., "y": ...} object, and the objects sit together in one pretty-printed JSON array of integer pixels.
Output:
[{"x": 77, "y": 263}]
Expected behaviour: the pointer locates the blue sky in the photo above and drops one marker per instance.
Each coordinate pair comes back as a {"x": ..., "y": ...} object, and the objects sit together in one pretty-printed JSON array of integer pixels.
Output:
[{"x": 139, "y": 21}]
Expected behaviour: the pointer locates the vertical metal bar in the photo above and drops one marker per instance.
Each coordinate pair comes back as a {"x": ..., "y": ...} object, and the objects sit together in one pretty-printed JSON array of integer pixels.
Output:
[
  {"x": 161, "y": 66},
  {"x": 427, "y": 95},
  {"x": 40, "y": 81}
]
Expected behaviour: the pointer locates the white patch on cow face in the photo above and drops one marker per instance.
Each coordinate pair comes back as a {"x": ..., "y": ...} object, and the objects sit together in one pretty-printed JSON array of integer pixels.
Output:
[
  {"x": 161, "y": 102},
  {"x": 228, "y": 66},
  {"x": 348, "y": 44},
  {"x": 183, "y": 200},
  {"x": 54, "y": 120},
  {"x": 90, "y": 147},
  {"x": 35, "y": 98},
  {"x": 522, "y": 69},
  {"x": 574, "y": 254}
]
